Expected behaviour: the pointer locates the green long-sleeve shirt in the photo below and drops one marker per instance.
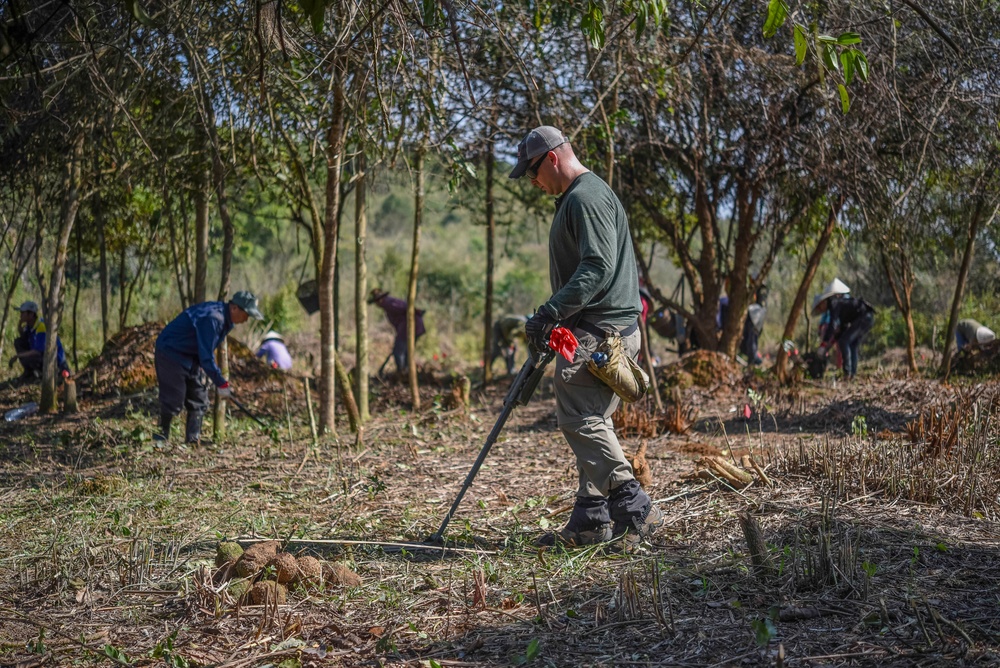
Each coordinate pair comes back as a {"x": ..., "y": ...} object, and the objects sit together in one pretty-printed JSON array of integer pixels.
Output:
[{"x": 592, "y": 265}]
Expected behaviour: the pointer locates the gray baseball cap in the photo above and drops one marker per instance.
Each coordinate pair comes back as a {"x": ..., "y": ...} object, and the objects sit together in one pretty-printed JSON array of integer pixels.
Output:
[
  {"x": 27, "y": 306},
  {"x": 540, "y": 140},
  {"x": 248, "y": 302}
]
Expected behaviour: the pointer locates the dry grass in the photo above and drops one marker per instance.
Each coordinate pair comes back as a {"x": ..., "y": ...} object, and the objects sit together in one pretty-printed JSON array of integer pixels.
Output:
[{"x": 863, "y": 550}]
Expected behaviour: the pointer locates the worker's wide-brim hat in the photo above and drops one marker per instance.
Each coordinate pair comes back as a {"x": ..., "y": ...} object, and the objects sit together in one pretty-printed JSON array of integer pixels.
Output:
[
  {"x": 836, "y": 287},
  {"x": 272, "y": 336},
  {"x": 376, "y": 295}
]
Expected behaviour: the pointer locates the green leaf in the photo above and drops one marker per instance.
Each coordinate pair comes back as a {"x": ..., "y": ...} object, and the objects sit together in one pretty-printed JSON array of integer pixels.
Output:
[
  {"x": 845, "y": 100},
  {"x": 592, "y": 25},
  {"x": 316, "y": 11},
  {"x": 777, "y": 12},
  {"x": 532, "y": 650},
  {"x": 801, "y": 44},
  {"x": 847, "y": 62},
  {"x": 430, "y": 12},
  {"x": 848, "y": 38},
  {"x": 763, "y": 630},
  {"x": 827, "y": 39},
  {"x": 862, "y": 65},
  {"x": 830, "y": 58},
  {"x": 136, "y": 10}
]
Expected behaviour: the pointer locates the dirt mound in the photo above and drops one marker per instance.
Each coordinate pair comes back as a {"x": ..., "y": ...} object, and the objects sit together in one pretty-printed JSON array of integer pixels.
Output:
[
  {"x": 701, "y": 368},
  {"x": 126, "y": 366}
]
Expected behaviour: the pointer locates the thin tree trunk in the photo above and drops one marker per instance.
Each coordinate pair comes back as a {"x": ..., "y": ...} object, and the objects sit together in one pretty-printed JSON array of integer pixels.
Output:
[
  {"x": 902, "y": 293},
  {"x": 70, "y": 206},
  {"x": 174, "y": 249},
  {"x": 122, "y": 286},
  {"x": 334, "y": 160},
  {"x": 76, "y": 297},
  {"x": 103, "y": 267},
  {"x": 20, "y": 259},
  {"x": 201, "y": 238},
  {"x": 188, "y": 298},
  {"x": 491, "y": 233},
  {"x": 781, "y": 363},
  {"x": 411, "y": 293},
  {"x": 963, "y": 275},
  {"x": 361, "y": 288}
]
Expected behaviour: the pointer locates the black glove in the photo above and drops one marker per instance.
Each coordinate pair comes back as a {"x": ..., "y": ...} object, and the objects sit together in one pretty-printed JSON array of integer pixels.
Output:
[
  {"x": 12, "y": 362},
  {"x": 538, "y": 328}
]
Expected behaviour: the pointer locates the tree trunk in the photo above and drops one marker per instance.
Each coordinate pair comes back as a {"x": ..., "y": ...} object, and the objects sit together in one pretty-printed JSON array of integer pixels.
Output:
[
  {"x": 901, "y": 287},
  {"x": 361, "y": 288},
  {"x": 411, "y": 293},
  {"x": 219, "y": 408},
  {"x": 334, "y": 160},
  {"x": 76, "y": 296},
  {"x": 122, "y": 286},
  {"x": 175, "y": 254},
  {"x": 963, "y": 275},
  {"x": 19, "y": 258},
  {"x": 103, "y": 268},
  {"x": 228, "y": 235},
  {"x": 781, "y": 363},
  {"x": 53, "y": 307},
  {"x": 201, "y": 238},
  {"x": 491, "y": 233}
]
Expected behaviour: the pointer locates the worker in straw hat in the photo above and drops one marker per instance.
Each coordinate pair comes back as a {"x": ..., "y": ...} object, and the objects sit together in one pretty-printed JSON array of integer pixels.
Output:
[
  {"x": 970, "y": 332},
  {"x": 273, "y": 350},
  {"x": 851, "y": 318}
]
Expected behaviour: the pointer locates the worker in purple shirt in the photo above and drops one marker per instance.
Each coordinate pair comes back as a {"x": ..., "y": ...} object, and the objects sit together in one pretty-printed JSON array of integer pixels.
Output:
[
  {"x": 273, "y": 350},
  {"x": 395, "y": 313}
]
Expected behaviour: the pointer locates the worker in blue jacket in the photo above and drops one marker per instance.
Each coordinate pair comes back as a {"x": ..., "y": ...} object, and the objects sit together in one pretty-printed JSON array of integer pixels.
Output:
[
  {"x": 185, "y": 355},
  {"x": 29, "y": 346}
]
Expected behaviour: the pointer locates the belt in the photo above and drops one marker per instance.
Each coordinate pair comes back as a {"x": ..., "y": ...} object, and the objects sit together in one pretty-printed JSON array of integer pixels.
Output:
[{"x": 603, "y": 333}]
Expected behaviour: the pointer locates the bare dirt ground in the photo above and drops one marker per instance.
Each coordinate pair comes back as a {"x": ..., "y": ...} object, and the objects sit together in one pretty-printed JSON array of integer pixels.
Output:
[{"x": 867, "y": 536}]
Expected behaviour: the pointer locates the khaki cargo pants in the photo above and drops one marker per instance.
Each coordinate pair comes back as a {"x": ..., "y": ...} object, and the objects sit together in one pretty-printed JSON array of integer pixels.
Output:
[{"x": 584, "y": 406}]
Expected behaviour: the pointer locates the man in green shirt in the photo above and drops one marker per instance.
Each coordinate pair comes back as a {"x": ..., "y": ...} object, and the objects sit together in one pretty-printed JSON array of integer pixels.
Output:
[{"x": 595, "y": 285}]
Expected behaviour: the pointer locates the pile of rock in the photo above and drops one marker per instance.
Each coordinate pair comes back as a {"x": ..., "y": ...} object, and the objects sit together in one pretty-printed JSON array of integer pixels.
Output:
[{"x": 263, "y": 574}]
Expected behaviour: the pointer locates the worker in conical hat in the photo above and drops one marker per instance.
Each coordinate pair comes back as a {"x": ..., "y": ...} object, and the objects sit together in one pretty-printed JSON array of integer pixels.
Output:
[{"x": 273, "y": 350}]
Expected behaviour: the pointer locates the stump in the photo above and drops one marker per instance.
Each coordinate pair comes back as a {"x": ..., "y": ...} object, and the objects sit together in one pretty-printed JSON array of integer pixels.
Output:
[{"x": 69, "y": 396}]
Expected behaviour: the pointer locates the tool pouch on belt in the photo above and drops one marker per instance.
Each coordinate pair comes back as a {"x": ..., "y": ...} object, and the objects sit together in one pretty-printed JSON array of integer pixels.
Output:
[{"x": 621, "y": 373}]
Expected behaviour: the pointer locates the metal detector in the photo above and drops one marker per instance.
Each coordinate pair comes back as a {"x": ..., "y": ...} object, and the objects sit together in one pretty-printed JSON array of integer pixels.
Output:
[{"x": 519, "y": 394}]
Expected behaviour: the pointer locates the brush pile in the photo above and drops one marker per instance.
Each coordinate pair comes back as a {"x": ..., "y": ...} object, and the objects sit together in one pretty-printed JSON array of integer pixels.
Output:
[{"x": 701, "y": 368}]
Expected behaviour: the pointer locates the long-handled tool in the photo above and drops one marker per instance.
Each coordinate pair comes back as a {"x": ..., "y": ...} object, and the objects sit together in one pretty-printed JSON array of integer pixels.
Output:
[
  {"x": 382, "y": 368},
  {"x": 244, "y": 409},
  {"x": 518, "y": 395}
]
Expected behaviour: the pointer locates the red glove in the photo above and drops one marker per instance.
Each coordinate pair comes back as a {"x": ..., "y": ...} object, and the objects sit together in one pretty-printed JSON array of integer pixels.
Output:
[
  {"x": 65, "y": 373},
  {"x": 563, "y": 342}
]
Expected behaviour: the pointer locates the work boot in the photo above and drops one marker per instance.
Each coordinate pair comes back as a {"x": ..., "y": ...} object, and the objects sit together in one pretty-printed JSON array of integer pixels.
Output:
[
  {"x": 163, "y": 430},
  {"x": 589, "y": 524},
  {"x": 192, "y": 430},
  {"x": 634, "y": 515}
]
